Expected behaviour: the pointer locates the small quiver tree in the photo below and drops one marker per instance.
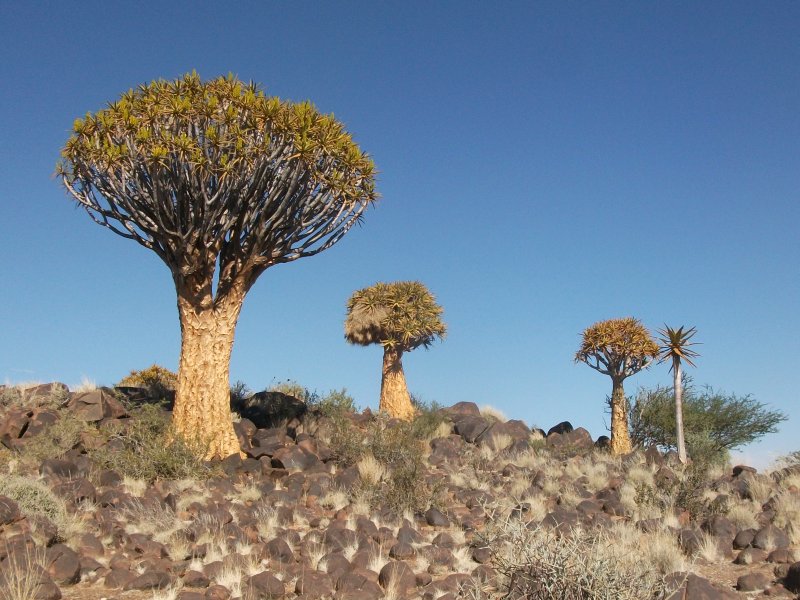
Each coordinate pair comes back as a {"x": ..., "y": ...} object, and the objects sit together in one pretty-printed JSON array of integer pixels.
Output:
[
  {"x": 675, "y": 347},
  {"x": 221, "y": 182},
  {"x": 400, "y": 316},
  {"x": 618, "y": 348}
]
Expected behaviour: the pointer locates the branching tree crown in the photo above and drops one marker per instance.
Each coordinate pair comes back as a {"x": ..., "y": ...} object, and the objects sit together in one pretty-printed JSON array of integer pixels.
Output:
[
  {"x": 217, "y": 175},
  {"x": 402, "y": 315},
  {"x": 618, "y": 348}
]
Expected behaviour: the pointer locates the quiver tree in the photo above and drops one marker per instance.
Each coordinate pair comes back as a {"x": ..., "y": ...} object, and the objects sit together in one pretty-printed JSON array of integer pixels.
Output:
[
  {"x": 400, "y": 316},
  {"x": 675, "y": 347},
  {"x": 618, "y": 348},
  {"x": 221, "y": 182}
]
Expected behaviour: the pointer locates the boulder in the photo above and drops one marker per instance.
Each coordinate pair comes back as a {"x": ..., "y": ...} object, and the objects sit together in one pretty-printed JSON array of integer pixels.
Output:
[
  {"x": 264, "y": 586},
  {"x": 563, "y": 427},
  {"x": 398, "y": 576},
  {"x": 294, "y": 457},
  {"x": 470, "y": 428},
  {"x": 9, "y": 511},
  {"x": 96, "y": 405},
  {"x": 271, "y": 409},
  {"x": 462, "y": 409}
]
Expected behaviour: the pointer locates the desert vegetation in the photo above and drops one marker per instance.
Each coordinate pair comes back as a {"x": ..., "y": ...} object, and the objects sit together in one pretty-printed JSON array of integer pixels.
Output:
[{"x": 326, "y": 501}]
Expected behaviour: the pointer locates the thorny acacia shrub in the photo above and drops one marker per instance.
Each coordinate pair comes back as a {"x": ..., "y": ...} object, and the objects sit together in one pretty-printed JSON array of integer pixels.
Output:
[
  {"x": 142, "y": 447},
  {"x": 541, "y": 564},
  {"x": 715, "y": 422}
]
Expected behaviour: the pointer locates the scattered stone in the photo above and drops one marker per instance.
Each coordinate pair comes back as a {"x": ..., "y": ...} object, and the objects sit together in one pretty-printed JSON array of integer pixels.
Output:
[
  {"x": 753, "y": 582},
  {"x": 264, "y": 586},
  {"x": 96, "y": 405}
]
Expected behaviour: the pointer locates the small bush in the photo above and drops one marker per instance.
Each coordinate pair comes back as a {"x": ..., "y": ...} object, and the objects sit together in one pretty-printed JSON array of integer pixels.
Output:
[
  {"x": 159, "y": 381},
  {"x": 59, "y": 438},
  {"x": 334, "y": 403},
  {"x": 30, "y": 397},
  {"x": 398, "y": 449},
  {"x": 542, "y": 564},
  {"x": 143, "y": 447},
  {"x": 35, "y": 498},
  {"x": 428, "y": 419}
]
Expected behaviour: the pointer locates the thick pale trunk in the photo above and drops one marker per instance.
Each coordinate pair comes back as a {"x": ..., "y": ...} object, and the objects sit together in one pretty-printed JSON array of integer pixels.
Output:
[
  {"x": 395, "y": 400},
  {"x": 678, "y": 388},
  {"x": 620, "y": 438},
  {"x": 202, "y": 414}
]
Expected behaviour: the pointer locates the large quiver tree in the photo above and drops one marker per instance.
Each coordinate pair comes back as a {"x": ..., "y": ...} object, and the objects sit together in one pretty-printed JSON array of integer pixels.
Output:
[
  {"x": 401, "y": 317},
  {"x": 618, "y": 348},
  {"x": 221, "y": 181}
]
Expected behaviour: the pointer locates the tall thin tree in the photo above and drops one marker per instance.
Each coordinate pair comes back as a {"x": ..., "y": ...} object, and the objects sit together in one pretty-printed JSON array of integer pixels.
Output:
[
  {"x": 221, "y": 182},
  {"x": 675, "y": 347}
]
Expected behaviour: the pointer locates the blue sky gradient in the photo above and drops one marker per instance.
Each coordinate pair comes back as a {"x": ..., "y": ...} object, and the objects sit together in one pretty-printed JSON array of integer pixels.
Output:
[{"x": 543, "y": 166}]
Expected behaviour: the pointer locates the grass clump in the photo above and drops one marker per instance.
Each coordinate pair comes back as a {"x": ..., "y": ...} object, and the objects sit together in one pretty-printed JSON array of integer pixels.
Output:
[
  {"x": 36, "y": 499},
  {"x": 59, "y": 438},
  {"x": 30, "y": 396},
  {"x": 393, "y": 449},
  {"x": 22, "y": 574},
  {"x": 143, "y": 447}
]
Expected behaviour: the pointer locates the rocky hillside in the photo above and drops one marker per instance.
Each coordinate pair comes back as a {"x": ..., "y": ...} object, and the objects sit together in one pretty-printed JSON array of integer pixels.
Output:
[{"x": 95, "y": 502}]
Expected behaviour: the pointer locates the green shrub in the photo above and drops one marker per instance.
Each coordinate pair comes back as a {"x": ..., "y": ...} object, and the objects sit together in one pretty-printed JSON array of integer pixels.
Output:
[
  {"x": 335, "y": 402},
  {"x": 143, "y": 447},
  {"x": 714, "y": 422},
  {"x": 427, "y": 419},
  {"x": 59, "y": 438},
  {"x": 36, "y": 499},
  {"x": 399, "y": 448}
]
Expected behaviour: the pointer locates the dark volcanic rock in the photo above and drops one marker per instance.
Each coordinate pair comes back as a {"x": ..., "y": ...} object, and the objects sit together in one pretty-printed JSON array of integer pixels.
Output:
[
  {"x": 264, "y": 586},
  {"x": 9, "y": 511},
  {"x": 563, "y": 427},
  {"x": 399, "y": 575},
  {"x": 150, "y": 580},
  {"x": 470, "y": 428},
  {"x": 693, "y": 587},
  {"x": 294, "y": 457},
  {"x": 270, "y": 409},
  {"x": 313, "y": 584},
  {"x": 435, "y": 518},
  {"x": 64, "y": 564},
  {"x": 770, "y": 538},
  {"x": 462, "y": 409},
  {"x": 752, "y": 582},
  {"x": 792, "y": 578},
  {"x": 96, "y": 405}
]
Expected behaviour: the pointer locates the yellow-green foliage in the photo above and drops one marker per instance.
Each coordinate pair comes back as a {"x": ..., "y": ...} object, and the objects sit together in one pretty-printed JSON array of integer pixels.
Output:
[
  {"x": 151, "y": 377},
  {"x": 217, "y": 128},
  {"x": 402, "y": 315},
  {"x": 617, "y": 347}
]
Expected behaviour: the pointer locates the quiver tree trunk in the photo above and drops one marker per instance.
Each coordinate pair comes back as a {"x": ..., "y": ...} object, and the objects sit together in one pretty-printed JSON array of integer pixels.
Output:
[
  {"x": 620, "y": 438},
  {"x": 202, "y": 414},
  {"x": 395, "y": 399},
  {"x": 678, "y": 389}
]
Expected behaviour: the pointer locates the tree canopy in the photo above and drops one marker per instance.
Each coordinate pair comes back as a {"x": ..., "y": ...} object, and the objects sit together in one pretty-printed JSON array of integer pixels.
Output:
[
  {"x": 217, "y": 174},
  {"x": 402, "y": 315},
  {"x": 617, "y": 347}
]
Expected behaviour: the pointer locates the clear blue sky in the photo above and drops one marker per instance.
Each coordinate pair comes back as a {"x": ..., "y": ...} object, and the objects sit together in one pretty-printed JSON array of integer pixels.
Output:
[{"x": 543, "y": 166}]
